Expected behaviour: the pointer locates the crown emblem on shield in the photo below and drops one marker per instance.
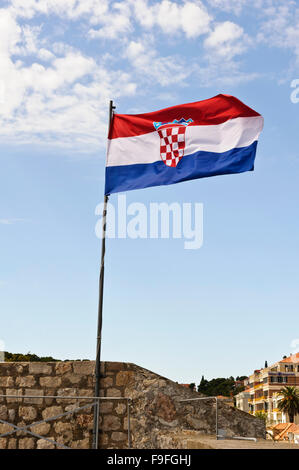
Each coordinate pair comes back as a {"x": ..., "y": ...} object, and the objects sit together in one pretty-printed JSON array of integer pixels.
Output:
[{"x": 172, "y": 140}]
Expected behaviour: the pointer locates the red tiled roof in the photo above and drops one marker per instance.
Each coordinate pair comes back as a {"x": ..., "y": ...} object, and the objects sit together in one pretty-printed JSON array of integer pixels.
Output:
[
  {"x": 293, "y": 358},
  {"x": 281, "y": 430}
]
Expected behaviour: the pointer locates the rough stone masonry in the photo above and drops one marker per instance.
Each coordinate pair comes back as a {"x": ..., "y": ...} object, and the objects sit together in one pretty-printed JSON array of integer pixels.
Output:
[{"x": 157, "y": 414}]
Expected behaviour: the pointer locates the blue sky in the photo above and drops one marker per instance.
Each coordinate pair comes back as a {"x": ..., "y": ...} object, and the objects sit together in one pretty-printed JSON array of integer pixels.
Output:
[{"x": 219, "y": 311}]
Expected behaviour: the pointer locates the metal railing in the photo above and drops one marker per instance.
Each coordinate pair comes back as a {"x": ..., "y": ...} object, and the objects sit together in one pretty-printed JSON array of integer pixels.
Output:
[
  {"x": 96, "y": 404},
  {"x": 220, "y": 433}
]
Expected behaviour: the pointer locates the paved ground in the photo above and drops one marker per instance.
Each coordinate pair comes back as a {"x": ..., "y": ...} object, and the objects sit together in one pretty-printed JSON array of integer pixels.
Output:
[{"x": 203, "y": 441}]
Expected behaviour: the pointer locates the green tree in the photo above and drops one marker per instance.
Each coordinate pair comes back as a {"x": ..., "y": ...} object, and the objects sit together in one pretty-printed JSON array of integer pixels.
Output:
[
  {"x": 219, "y": 386},
  {"x": 242, "y": 377},
  {"x": 290, "y": 402},
  {"x": 19, "y": 357},
  {"x": 202, "y": 386}
]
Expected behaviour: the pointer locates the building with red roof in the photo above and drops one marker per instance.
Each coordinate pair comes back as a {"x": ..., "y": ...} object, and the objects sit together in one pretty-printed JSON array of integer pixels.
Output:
[{"x": 262, "y": 389}]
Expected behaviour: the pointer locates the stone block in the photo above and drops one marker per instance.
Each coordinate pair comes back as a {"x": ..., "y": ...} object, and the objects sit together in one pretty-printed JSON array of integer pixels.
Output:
[
  {"x": 42, "y": 444},
  {"x": 3, "y": 443},
  {"x": 106, "y": 382},
  {"x": 64, "y": 392},
  {"x": 81, "y": 444},
  {"x": 51, "y": 411},
  {"x": 27, "y": 443},
  {"x": 12, "y": 443},
  {"x": 28, "y": 381},
  {"x": 71, "y": 407},
  {"x": 34, "y": 392},
  {"x": 121, "y": 408},
  {"x": 111, "y": 423},
  {"x": 3, "y": 412},
  {"x": 106, "y": 407},
  {"x": 42, "y": 429},
  {"x": 20, "y": 369},
  {"x": 115, "y": 366},
  {"x": 162, "y": 383},
  {"x": 62, "y": 368},
  {"x": 50, "y": 382},
  {"x": 62, "y": 428},
  {"x": 6, "y": 382},
  {"x": 6, "y": 368},
  {"x": 64, "y": 433},
  {"x": 84, "y": 367},
  {"x": 150, "y": 383},
  {"x": 72, "y": 378},
  {"x": 4, "y": 428},
  {"x": 113, "y": 392},
  {"x": 119, "y": 436},
  {"x": 40, "y": 368},
  {"x": 27, "y": 413},
  {"x": 14, "y": 392}
]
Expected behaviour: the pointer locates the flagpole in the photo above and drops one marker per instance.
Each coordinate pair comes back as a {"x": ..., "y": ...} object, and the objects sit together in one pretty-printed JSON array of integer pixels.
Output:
[{"x": 100, "y": 312}]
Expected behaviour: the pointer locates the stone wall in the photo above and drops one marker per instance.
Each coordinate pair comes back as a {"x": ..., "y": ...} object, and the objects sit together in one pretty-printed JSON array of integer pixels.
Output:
[{"x": 157, "y": 413}]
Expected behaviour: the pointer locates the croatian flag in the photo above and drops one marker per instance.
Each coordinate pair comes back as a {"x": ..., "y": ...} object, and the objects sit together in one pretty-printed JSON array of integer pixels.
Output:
[{"x": 213, "y": 137}]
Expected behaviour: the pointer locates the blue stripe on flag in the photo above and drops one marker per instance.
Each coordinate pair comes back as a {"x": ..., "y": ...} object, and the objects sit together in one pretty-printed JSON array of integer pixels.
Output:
[{"x": 198, "y": 165}]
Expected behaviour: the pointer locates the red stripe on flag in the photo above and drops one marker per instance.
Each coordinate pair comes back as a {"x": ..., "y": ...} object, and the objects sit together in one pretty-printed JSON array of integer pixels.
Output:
[{"x": 213, "y": 111}]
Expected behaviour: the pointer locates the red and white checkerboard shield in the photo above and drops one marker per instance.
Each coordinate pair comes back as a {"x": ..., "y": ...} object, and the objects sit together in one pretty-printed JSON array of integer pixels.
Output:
[{"x": 172, "y": 143}]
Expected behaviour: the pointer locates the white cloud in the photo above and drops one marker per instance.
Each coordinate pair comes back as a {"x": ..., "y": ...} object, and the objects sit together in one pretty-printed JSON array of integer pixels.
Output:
[
  {"x": 191, "y": 18},
  {"x": 280, "y": 27},
  {"x": 226, "y": 40},
  {"x": 64, "y": 101},
  {"x": 151, "y": 66},
  {"x": 53, "y": 92},
  {"x": 234, "y": 6},
  {"x": 71, "y": 9},
  {"x": 10, "y": 32},
  {"x": 114, "y": 23},
  {"x": 45, "y": 54}
]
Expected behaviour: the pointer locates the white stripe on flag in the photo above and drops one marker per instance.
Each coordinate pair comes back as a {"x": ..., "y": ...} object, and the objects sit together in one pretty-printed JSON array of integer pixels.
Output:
[{"x": 235, "y": 133}]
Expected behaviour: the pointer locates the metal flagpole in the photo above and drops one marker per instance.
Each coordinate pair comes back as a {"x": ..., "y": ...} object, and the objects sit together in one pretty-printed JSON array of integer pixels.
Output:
[{"x": 100, "y": 311}]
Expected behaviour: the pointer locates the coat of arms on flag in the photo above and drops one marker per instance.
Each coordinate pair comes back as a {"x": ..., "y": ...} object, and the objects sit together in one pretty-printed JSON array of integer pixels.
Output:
[{"x": 172, "y": 140}]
